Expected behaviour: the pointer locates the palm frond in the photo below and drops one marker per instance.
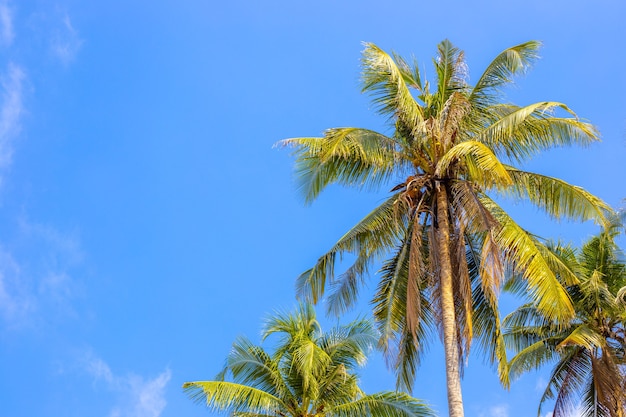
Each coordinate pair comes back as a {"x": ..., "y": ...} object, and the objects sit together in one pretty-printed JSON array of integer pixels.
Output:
[
  {"x": 382, "y": 78},
  {"x": 229, "y": 396},
  {"x": 557, "y": 198},
  {"x": 347, "y": 156},
  {"x": 483, "y": 167},
  {"x": 510, "y": 62},
  {"x": 519, "y": 133},
  {"x": 373, "y": 235},
  {"x": 384, "y": 404},
  {"x": 522, "y": 251}
]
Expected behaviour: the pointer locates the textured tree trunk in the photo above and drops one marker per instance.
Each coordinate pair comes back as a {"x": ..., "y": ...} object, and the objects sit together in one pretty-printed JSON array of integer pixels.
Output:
[{"x": 448, "y": 315}]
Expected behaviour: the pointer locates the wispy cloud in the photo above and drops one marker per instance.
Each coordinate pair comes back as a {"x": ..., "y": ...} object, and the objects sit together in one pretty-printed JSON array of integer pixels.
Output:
[
  {"x": 6, "y": 24},
  {"x": 66, "y": 43},
  {"x": 501, "y": 410},
  {"x": 135, "y": 395},
  {"x": 16, "y": 301},
  {"x": 35, "y": 275},
  {"x": 11, "y": 109}
]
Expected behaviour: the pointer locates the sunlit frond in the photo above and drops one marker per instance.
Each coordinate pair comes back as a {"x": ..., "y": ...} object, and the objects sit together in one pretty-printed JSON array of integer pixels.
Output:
[
  {"x": 558, "y": 198},
  {"x": 382, "y": 78},
  {"x": 519, "y": 133},
  {"x": 377, "y": 232},
  {"x": 483, "y": 167},
  {"x": 228, "y": 396},
  {"x": 522, "y": 251},
  {"x": 510, "y": 62},
  {"x": 384, "y": 404},
  {"x": 347, "y": 156}
]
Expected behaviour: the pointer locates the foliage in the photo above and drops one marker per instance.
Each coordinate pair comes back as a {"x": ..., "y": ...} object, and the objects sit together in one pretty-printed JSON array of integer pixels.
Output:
[
  {"x": 588, "y": 349},
  {"x": 444, "y": 240},
  {"x": 310, "y": 373}
]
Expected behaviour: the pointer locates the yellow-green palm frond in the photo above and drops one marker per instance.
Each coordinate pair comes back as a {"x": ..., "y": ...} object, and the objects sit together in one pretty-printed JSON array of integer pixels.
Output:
[
  {"x": 510, "y": 62},
  {"x": 384, "y": 404},
  {"x": 451, "y": 73},
  {"x": 251, "y": 365},
  {"x": 521, "y": 250},
  {"x": 302, "y": 322},
  {"x": 347, "y": 156},
  {"x": 349, "y": 344},
  {"x": 485, "y": 313},
  {"x": 531, "y": 358},
  {"x": 584, "y": 336},
  {"x": 373, "y": 235},
  {"x": 557, "y": 198},
  {"x": 410, "y": 72},
  {"x": 229, "y": 396},
  {"x": 344, "y": 290},
  {"x": 480, "y": 163},
  {"x": 385, "y": 81},
  {"x": 522, "y": 132}
]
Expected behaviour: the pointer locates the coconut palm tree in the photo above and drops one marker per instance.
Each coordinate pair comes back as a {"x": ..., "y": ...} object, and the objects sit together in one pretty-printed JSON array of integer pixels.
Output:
[
  {"x": 310, "y": 374},
  {"x": 589, "y": 349},
  {"x": 445, "y": 239}
]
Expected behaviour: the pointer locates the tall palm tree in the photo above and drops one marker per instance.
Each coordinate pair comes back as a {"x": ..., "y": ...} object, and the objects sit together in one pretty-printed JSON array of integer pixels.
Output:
[
  {"x": 589, "y": 349},
  {"x": 446, "y": 240},
  {"x": 310, "y": 374}
]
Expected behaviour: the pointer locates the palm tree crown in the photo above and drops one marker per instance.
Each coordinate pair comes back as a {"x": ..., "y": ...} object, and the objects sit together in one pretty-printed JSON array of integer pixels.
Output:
[
  {"x": 589, "y": 349},
  {"x": 310, "y": 373},
  {"x": 445, "y": 239}
]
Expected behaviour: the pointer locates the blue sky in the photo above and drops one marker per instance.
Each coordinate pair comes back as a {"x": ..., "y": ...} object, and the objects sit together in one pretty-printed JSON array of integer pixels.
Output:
[{"x": 146, "y": 220}]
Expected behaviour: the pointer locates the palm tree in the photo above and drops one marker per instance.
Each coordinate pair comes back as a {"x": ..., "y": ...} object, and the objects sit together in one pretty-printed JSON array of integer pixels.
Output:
[
  {"x": 446, "y": 240},
  {"x": 310, "y": 374},
  {"x": 589, "y": 349}
]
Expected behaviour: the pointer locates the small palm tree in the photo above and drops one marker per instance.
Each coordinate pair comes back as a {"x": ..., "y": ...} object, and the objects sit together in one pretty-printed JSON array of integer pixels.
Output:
[
  {"x": 589, "y": 349},
  {"x": 310, "y": 373},
  {"x": 446, "y": 240}
]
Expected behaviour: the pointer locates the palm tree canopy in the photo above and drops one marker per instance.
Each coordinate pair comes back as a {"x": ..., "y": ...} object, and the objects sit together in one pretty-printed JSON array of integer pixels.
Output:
[
  {"x": 310, "y": 373},
  {"x": 448, "y": 156},
  {"x": 589, "y": 349}
]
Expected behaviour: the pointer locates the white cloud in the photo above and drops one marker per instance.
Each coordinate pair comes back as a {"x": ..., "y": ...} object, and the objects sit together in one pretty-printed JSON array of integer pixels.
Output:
[
  {"x": 6, "y": 24},
  {"x": 66, "y": 43},
  {"x": 15, "y": 299},
  {"x": 499, "y": 411},
  {"x": 135, "y": 395},
  {"x": 11, "y": 109},
  {"x": 35, "y": 275}
]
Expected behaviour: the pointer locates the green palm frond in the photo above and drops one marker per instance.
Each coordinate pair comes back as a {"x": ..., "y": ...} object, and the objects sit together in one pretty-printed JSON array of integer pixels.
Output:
[
  {"x": 385, "y": 81},
  {"x": 251, "y": 365},
  {"x": 451, "y": 72},
  {"x": 523, "y": 252},
  {"x": 228, "y": 396},
  {"x": 510, "y": 62},
  {"x": 558, "y": 198},
  {"x": 350, "y": 344},
  {"x": 372, "y": 236},
  {"x": 520, "y": 133},
  {"x": 384, "y": 404},
  {"x": 347, "y": 156},
  {"x": 483, "y": 167},
  {"x": 311, "y": 373},
  {"x": 583, "y": 336}
]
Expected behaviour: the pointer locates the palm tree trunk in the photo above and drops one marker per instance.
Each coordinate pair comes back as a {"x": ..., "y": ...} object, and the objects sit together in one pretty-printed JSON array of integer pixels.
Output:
[{"x": 448, "y": 315}]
